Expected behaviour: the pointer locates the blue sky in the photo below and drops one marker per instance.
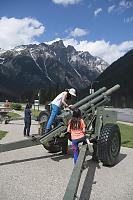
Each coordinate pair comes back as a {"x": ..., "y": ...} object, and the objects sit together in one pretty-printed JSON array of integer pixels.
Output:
[{"x": 102, "y": 27}]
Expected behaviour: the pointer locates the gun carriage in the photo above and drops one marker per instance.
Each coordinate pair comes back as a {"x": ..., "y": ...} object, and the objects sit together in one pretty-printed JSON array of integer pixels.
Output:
[
  {"x": 105, "y": 137},
  {"x": 4, "y": 113}
]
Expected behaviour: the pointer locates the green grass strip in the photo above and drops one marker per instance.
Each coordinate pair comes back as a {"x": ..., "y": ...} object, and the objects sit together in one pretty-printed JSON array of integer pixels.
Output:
[
  {"x": 2, "y": 134},
  {"x": 14, "y": 115},
  {"x": 35, "y": 112},
  {"x": 126, "y": 135}
]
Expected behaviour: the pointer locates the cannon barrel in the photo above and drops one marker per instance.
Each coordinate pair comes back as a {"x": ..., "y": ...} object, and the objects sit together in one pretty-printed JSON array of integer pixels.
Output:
[
  {"x": 113, "y": 89},
  {"x": 98, "y": 101},
  {"x": 99, "y": 98},
  {"x": 88, "y": 98}
]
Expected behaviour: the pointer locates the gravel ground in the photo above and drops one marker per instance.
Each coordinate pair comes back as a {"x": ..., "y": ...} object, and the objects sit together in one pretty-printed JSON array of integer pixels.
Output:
[{"x": 33, "y": 173}]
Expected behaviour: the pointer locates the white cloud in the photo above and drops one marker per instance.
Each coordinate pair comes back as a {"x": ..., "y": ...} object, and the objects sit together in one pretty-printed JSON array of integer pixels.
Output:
[
  {"x": 105, "y": 50},
  {"x": 66, "y": 2},
  {"x": 14, "y": 32},
  {"x": 126, "y": 4},
  {"x": 71, "y": 42},
  {"x": 123, "y": 6},
  {"x": 78, "y": 32},
  {"x": 52, "y": 41},
  {"x": 128, "y": 19},
  {"x": 96, "y": 12},
  {"x": 111, "y": 8}
]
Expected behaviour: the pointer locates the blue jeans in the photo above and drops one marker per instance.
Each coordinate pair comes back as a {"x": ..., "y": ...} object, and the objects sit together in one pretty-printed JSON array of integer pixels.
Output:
[
  {"x": 55, "y": 111},
  {"x": 76, "y": 148},
  {"x": 27, "y": 122}
]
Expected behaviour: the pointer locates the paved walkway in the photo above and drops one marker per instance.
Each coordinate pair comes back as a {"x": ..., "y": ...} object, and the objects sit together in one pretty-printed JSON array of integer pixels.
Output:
[{"x": 33, "y": 173}]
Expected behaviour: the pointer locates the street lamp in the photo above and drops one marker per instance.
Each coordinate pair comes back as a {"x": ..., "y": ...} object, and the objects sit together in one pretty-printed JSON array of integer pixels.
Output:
[
  {"x": 92, "y": 90},
  {"x": 39, "y": 93}
]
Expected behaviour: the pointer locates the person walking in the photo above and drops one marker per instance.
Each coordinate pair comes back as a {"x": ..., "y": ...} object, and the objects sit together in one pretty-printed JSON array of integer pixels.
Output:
[
  {"x": 56, "y": 106},
  {"x": 27, "y": 119},
  {"x": 76, "y": 127}
]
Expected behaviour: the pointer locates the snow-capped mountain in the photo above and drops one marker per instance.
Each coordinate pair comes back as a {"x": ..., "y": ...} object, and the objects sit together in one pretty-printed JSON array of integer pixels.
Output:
[
  {"x": 44, "y": 66},
  {"x": 2, "y": 51}
]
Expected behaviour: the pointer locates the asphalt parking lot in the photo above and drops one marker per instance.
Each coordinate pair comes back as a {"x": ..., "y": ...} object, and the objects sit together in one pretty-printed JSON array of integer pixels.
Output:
[{"x": 34, "y": 173}]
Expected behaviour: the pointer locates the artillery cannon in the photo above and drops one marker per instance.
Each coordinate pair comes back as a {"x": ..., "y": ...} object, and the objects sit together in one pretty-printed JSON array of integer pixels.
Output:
[
  {"x": 4, "y": 113},
  {"x": 8, "y": 119},
  {"x": 106, "y": 138}
]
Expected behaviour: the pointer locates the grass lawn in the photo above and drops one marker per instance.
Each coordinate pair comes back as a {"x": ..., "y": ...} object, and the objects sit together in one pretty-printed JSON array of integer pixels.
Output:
[
  {"x": 2, "y": 134},
  {"x": 126, "y": 135},
  {"x": 14, "y": 115},
  {"x": 35, "y": 112}
]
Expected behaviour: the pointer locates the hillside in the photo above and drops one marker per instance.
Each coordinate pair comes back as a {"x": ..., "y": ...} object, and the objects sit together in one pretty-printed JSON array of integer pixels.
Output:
[{"x": 120, "y": 72}]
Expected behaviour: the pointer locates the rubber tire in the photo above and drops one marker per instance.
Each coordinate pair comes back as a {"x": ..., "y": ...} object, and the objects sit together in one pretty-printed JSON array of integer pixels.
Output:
[
  {"x": 6, "y": 121},
  {"x": 50, "y": 146},
  {"x": 44, "y": 114},
  {"x": 106, "y": 153}
]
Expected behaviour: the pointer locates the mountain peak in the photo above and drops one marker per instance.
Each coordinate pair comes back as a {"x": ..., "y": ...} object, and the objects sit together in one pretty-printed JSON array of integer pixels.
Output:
[
  {"x": 70, "y": 49},
  {"x": 58, "y": 44},
  {"x": 48, "y": 65},
  {"x": 2, "y": 51}
]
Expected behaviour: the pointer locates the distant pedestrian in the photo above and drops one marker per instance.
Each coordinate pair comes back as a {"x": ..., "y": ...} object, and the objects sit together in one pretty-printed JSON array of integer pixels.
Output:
[
  {"x": 27, "y": 119},
  {"x": 76, "y": 127}
]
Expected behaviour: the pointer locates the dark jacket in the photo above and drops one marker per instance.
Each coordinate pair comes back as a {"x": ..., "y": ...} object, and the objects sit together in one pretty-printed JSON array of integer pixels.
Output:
[{"x": 27, "y": 115}]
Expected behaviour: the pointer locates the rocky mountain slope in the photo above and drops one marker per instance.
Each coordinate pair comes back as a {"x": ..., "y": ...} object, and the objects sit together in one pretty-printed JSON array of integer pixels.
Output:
[
  {"x": 34, "y": 66},
  {"x": 120, "y": 72}
]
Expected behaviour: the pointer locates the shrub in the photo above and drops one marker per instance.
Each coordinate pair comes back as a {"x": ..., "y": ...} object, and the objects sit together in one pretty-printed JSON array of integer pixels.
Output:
[{"x": 16, "y": 106}]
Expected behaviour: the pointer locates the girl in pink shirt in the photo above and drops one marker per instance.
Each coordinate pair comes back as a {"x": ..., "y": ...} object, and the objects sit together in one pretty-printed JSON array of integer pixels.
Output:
[{"x": 76, "y": 127}]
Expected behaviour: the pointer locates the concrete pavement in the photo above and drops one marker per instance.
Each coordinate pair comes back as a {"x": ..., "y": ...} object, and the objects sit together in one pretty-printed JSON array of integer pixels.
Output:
[{"x": 33, "y": 173}]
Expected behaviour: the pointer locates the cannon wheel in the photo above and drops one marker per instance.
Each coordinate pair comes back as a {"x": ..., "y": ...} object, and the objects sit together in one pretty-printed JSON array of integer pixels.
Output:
[
  {"x": 109, "y": 144},
  {"x": 51, "y": 146},
  {"x": 6, "y": 121},
  {"x": 44, "y": 116}
]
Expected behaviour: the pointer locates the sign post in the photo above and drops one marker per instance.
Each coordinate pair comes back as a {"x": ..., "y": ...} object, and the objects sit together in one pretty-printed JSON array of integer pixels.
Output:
[
  {"x": 91, "y": 91},
  {"x": 36, "y": 103}
]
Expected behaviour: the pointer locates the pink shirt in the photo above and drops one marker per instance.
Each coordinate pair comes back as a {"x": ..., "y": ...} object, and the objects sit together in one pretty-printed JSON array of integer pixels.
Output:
[{"x": 77, "y": 133}]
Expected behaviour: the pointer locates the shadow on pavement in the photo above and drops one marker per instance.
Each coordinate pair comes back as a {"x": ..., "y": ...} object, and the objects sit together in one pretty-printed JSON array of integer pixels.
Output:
[
  {"x": 65, "y": 156},
  {"x": 121, "y": 157},
  {"x": 55, "y": 156},
  {"x": 25, "y": 160},
  {"x": 89, "y": 179},
  {"x": 22, "y": 123},
  {"x": 90, "y": 165}
]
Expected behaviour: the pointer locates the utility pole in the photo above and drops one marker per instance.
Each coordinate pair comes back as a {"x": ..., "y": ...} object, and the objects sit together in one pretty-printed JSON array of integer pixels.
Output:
[{"x": 91, "y": 84}]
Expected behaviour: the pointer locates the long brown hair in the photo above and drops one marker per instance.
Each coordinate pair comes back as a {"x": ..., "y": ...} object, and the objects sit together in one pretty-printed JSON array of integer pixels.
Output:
[{"x": 76, "y": 119}]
